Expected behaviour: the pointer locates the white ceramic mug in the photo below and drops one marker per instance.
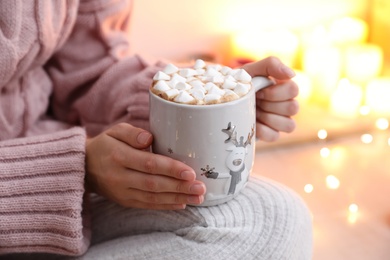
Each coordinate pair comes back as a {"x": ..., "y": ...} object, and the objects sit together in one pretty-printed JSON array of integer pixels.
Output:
[{"x": 217, "y": 141}]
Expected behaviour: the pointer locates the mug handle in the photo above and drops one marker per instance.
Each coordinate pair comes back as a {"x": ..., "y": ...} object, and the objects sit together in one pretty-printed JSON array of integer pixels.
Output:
[{"x": 260, "y": 82}]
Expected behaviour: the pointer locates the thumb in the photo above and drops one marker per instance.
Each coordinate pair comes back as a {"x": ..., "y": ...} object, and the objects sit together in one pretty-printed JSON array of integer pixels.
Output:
[
  {"x": 269, "y": 67},
  {"x": 133, "y": 136}
]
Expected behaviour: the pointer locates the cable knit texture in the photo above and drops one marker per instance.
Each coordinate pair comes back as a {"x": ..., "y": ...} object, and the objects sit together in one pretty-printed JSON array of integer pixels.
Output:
[
  {"x": 41, "y": 194},
  {"x": 266, "y": 221},
  {"x": 58, "y": 63}
]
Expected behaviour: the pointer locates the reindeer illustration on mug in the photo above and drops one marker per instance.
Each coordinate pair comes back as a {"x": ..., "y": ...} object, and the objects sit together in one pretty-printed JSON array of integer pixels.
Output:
[{"x": 235, "y": 161}]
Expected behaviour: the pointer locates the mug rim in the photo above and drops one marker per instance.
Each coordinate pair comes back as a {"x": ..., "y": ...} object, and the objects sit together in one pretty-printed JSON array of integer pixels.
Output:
[{"x": 197, "y": 106}]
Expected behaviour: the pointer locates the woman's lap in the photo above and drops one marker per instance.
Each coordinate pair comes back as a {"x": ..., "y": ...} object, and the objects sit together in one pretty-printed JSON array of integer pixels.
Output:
[{"x": 265, "y": 221}]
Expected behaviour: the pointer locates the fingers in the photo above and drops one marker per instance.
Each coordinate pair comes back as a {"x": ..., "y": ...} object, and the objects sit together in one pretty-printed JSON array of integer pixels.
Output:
[
  {"x": 270, "y": 66},
  {"x": 152, "y": 206},
  {"x": 266, "y": 134},
  {"x": 118, "y": 169},
  {"x": 276, "y": 122},
  {"x": 136, "y": 189},
  {"x": 151, "y": 163},
  {"x": 159, "y": 184},
  {"x": 144, "y": 161},
  {"x": 282, "y": 91},
  {"x": 133, "y": 136},
  {"x": 283, "y": 108},
  {"x": 152, "y": 198},
  {"x": 161, "y": 201}
]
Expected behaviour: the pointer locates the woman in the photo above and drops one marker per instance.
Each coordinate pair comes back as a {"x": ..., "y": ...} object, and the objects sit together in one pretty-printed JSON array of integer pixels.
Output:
[{"x": 73, "y": 124}]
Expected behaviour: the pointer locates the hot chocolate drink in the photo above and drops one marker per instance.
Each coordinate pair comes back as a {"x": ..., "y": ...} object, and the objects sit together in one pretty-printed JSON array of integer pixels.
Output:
[
  {"x": 202, "y": 84},
  {"x": 205, "y": 117}
]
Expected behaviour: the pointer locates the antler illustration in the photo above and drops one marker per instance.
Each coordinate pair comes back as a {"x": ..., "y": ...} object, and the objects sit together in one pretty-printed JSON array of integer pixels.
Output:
[
  {"x": 230, "y": 131},
  {"x": 250, "y": 135}
]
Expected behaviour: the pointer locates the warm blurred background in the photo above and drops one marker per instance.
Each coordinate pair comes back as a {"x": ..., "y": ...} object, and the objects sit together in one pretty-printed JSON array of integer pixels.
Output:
[{"x": 338, "y": 159}]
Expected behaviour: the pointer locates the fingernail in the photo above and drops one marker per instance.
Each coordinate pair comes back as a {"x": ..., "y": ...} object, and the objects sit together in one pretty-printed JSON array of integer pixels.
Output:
[
  {"x": 197, "y": 188},
  {"x": 195, "y": 199},
  {"x": 288, "y": 71},
  {"x": 187, "y": 175},
  {"x": 179, "y": 206},
  {"x": 143, "y": 138}
]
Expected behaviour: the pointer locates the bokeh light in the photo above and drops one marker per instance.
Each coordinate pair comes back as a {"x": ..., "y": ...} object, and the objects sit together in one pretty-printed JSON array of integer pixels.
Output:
[
  {"x": 367, "y": 138},
  {"x": 322, "y": 134},
  {"x": 382, "y": 123},
  {"x": 332, "y": 182},
  {"x": 308, "y": 188}
]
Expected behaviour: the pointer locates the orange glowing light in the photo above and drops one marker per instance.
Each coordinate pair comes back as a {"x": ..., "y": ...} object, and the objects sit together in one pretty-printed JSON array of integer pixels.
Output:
[
  {"x": 308, "y": 188},
  {"x": 364, "y": 110},
  {"x": 353, "y": 208},
  {"x": 305, "y": 86},
  {"x": 378, "y": 96},
  {"x": 363, "y": 62},
  {"x": 280, "y": 43},
  {"x": 353, "y": 213},
  {"x": 367, "y": 138},
  {"x": 325, "y": 152},
  {"x": 347, "y": 99},
  {"x": 323, "y": 66},
  {"x": 332, "y": 182},
  {"x": 352, "y": 218},
  {"x": 382, "y": 123},
  {"x": 348, "y": 30},
  {"x": 322, "y": 134}
]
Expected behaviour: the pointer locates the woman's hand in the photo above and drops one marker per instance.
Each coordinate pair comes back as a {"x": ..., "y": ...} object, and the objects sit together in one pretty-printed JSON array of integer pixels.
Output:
[
  {"x": 275, "y": 104},
  {"x": 120, "y": 169}
]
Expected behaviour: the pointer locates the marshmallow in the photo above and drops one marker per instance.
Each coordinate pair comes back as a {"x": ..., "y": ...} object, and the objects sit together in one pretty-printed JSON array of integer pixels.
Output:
[
  {"x": 230, "y": 95},
  {"x": 199, "y": 64},
  {"x": 243, "y": 76},
  {"x": 225, "y": 70},
  {"x": 217, "y": 79},
  {"x": 232, "y": 72},
  {"x": 209, "y": 85},
  {"x": 230, "y": 77},
  {"x": 203, "y": 78},
  {"x": 187, "y": 72},
  {"x": 201, "y": 88},
  {"x": 184, "y": 97},
  {"x": 201, "y": 84},
  {"x": 170, "y": 94},
  {"x": 161, "y": 76},
  {"x": 200, "y": 71},
  {"x": 217, "y": 67},
  {"x": 161, "y": 85},
  {"x": 212, "y": 99},
  {"x": 198, "y": 94},
  {"x": 210, "y": 72},
  {"x": 170, "y": 69},
  {"x": 196, "y": 83},
  {"x": 182, "y": 86},
  {"x": 189, "y": 79},
  {"x": 229, "y": 83},
  {"x": 176, "y": 78},
  {"x": 242, "y": 89},
  {"x": 216, "y": 90}
]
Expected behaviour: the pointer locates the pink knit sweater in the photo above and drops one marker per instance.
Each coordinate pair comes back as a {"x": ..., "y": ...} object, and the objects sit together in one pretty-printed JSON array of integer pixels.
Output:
[{"x": 64, "y": 72}]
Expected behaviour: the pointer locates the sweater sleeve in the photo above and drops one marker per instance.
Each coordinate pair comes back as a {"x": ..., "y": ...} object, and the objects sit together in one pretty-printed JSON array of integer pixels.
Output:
[
  {"x": 96, "y": 82},
  {"x": 41, "y": 194}
]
